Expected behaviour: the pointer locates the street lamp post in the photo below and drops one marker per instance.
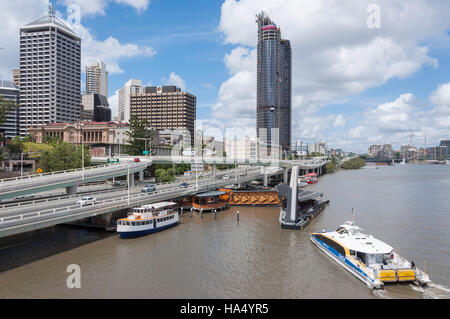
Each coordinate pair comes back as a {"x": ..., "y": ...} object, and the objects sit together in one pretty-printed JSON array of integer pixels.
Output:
[
  {"x": 82, "y": 148},
  {"x": 129, "y": 181},
  {"x": 21, "y": 164}
]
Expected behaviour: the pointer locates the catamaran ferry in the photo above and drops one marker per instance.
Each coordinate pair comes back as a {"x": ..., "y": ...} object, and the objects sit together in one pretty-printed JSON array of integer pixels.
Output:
[
  {"x": 369, "y": 259},
  {"x": 148, "y": 219}
]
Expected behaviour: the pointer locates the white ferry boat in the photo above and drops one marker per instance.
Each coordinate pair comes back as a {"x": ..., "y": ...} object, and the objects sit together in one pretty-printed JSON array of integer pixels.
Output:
[
  {"x": 369, "y": 259},
  {"x": 148, "y": 219}
]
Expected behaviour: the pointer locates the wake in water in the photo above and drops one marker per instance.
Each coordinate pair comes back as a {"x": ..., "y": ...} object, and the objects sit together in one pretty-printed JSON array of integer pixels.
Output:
[
  {"x": 381, "y": 293},
  {"x": 436, "y": 291}
]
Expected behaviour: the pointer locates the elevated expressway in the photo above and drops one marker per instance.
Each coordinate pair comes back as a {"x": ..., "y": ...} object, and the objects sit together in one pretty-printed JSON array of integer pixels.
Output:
[
  {"x": 30, "y": 184},
  {"x": 19, "y": 219},
  {"x": 13, "y": 187}
]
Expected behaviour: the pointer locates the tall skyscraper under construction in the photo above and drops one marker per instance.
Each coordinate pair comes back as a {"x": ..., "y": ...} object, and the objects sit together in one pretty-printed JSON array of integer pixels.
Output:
[{"x": 274, "y": 74}]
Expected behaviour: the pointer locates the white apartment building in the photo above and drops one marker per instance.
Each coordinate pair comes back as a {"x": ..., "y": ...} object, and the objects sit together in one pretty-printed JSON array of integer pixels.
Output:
[
  {"x": 318, "y": 148},
  {"x": 50, "y": 73},
  {"x": 97, "y": 79},
  {"x": 246, "y": 148},
  {"x": 133, "y": 86}
]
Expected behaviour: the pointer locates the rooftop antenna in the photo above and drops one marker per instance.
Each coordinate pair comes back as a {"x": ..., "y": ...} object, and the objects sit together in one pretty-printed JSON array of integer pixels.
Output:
[{"x": 51, "y": 8}]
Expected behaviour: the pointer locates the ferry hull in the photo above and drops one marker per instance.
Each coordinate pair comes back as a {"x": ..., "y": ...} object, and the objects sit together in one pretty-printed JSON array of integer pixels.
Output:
[
  {"x": 133, "y": 234},
  {"x": 346, "y": 264}
]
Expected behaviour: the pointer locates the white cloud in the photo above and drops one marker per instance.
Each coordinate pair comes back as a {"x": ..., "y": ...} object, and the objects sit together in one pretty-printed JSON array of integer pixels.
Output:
[
  {"x": 113, "y": 101},
  {"x": 394, "y": 121},
  {"x": 175, "y": 79},
  {"x": 110, "y": 50},
  {"x": 98, "y": 7},
  {"x": 339, "y": 121},
  {"x": 335, "y": 55},
  {"x": 139, "y": 5},
  {"x": 15, "y": 14},
  {"x": 396, "y": 116},
  {"x": 441, "y": 97}
]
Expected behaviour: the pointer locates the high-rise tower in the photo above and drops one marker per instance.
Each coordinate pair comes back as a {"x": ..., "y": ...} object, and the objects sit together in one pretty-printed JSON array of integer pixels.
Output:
[
  {"x": 97, "y": 79},
  {"x": 50, "y": 72},
  {"x": 273, "y": 98}
]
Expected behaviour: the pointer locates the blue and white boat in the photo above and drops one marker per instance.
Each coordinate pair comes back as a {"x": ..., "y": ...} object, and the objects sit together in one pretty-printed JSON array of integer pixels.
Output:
[
  {"x": 148, "y": 219},
  {"x": 369, "y": 259}
]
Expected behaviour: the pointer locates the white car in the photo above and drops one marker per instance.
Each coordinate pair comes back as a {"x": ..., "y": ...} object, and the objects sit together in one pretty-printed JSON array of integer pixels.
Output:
[
  {"x": 226, "y": 177},
  {"x": 87, "y": 201}
]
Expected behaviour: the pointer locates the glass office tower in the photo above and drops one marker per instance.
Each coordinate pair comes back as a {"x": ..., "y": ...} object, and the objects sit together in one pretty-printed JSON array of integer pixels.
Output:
[{"x": 273, "y": 101}]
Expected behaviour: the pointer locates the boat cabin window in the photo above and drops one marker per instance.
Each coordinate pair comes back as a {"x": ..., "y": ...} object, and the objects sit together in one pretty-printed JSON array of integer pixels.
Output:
[
  {"x": 362, "y": 256},
  {"x": 375, "y": 259},
  {"x": 340, "y": 230},
  {"x": 336, "y": 246}
]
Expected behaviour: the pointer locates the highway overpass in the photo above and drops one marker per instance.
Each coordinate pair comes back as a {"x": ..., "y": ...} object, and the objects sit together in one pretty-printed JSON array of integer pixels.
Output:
[
  {"x": 13, "y": 187},
  {"x": 15, "y": 220}
]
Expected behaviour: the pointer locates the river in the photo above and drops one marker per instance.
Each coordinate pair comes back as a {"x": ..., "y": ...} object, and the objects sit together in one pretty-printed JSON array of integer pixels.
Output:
[{"x": 407, "y": 206}]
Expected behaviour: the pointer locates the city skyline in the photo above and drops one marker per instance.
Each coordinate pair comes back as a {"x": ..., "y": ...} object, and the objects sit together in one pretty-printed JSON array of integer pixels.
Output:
[{"x": 338, "y": 95}]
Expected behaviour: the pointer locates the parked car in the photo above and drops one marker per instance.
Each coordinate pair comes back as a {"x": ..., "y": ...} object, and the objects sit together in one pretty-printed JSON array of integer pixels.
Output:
[
  {"x": 226, "y": 177},
  {"x": 87, "y": 201},
  {"x": 137, "y": 159},
  {"x": 148, "y": 188},
  {"x": 184, "y": 185}
]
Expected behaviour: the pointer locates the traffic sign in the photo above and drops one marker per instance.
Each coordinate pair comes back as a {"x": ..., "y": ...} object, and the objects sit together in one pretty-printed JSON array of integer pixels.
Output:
[
  {"x": 145, "y": 152},
  {"x": 39, "y": 170}
]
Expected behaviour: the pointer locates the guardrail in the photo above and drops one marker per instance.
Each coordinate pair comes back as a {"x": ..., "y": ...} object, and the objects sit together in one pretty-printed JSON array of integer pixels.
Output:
[
  {"x": 189, "y": 189},
  {"x": 62, "y": 197},
  {"x": 78, "y": 172}
]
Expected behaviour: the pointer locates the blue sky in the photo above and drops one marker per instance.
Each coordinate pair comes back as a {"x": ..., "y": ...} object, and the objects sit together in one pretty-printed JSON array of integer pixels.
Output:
[
  {"x": 352, "y": 85},
  {"x": 184, "y": 35}
]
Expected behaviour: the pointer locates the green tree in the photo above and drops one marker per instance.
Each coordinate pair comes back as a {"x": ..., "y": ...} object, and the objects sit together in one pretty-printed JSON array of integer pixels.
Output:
[
  {"x": 6, "y": 106},
  {"x": 16, "y": 146},
  {"x": 163, "y": 176},
  {"x": 139, "y": 128},
  {"x": 53, "y": 141},
  {"x": 354, "y": 163},
  {"x": 64, "y": 156},
  {"x": 330, "y": 167}
]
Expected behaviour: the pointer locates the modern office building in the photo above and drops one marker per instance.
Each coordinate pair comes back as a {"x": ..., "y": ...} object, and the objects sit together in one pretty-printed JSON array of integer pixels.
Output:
[
  {"x": 301, "y": 147},
  {"x": 165, "y": 108},
  {"x": 50, "y": 73},
  {"x": 446, "y": 145},
  {"x": 274, "y": 83},
  {"x": 320, "y": 147},
  {"x": 131, "y": 87},
  {"x": 10, "y": 91},
  {"x": 98, "y": 105},
  {"x": 16, "y": 77},
  {"x": 97, "y": 79}
]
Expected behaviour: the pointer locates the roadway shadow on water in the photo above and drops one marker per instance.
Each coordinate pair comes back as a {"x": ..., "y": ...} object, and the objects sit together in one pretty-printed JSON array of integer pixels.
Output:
[{"x": 22, "y": 249}]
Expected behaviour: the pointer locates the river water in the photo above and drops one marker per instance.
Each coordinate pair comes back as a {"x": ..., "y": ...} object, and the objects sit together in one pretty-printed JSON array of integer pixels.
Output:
[{"x": 406, "y": 206}]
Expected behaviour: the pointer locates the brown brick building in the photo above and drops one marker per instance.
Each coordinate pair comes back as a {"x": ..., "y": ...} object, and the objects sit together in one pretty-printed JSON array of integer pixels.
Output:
[{"x": 165, "y": 108}]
